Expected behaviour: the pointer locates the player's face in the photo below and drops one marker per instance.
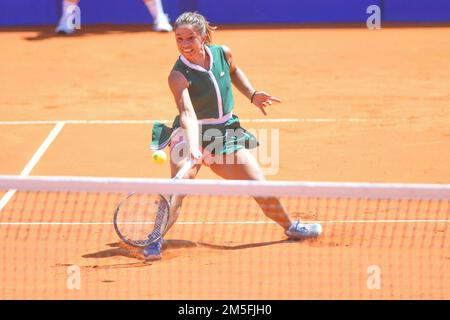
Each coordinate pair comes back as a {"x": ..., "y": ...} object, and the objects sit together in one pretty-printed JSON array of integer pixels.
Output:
[{"x": 189, "y": 41}]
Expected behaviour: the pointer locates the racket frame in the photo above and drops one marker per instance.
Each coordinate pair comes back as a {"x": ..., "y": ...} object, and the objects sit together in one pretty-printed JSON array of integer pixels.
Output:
[{"x": 144, "y": 243}]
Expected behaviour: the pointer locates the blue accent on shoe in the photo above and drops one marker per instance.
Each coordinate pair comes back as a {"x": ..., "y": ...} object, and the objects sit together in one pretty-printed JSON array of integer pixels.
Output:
[
  {"x": 153, "y": 251},
  {"x": 301, "y": 231}
]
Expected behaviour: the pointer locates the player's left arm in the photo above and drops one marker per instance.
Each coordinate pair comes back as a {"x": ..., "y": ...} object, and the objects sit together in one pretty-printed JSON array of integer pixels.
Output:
[{"x": 260, "y": 99}]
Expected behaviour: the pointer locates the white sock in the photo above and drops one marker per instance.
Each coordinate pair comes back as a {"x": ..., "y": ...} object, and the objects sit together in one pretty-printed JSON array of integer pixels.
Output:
[{"x": 155, "y": 8}]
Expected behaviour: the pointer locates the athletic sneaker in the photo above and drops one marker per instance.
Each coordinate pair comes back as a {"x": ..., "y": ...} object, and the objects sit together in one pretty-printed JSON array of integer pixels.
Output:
[
  {"x": 63, "y": 27},
  {"x": 162, "y": 24},
  {"x": 153, "y": 251},
  {"x": 301, "y": 231}
]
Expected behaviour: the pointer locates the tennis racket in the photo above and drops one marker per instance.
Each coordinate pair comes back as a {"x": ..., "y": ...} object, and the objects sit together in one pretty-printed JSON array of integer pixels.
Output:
[{"x": 141, "y": 219}]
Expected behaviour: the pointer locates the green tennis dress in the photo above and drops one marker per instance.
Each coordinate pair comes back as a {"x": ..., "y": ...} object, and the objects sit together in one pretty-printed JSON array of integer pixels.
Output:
[{"x": 212, "y": 98}]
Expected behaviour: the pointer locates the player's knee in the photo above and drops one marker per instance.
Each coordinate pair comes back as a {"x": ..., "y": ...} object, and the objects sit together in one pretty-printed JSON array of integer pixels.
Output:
[
  {"x": 258, "y": 175},
  {"x": 191, "y": 174}
]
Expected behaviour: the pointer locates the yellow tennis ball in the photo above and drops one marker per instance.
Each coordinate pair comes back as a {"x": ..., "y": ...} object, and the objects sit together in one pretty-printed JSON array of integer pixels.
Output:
[{"x": 159, "y": 156}]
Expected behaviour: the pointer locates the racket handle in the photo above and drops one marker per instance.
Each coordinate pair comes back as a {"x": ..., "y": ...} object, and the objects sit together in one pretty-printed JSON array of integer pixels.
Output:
[{"x": 185, "y": 168}]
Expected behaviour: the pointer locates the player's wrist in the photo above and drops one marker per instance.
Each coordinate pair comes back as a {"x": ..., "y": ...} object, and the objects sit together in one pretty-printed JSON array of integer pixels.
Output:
[
  {"x": 253, "y": 96},
  {"x": 196, "y": 154}
]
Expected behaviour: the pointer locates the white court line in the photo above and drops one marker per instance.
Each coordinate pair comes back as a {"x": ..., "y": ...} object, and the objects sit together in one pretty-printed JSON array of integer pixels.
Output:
[
  {"x": 34, "y": 160},
  {"x": 223, "y": 222},
  {"x": 264, "y": 120}
]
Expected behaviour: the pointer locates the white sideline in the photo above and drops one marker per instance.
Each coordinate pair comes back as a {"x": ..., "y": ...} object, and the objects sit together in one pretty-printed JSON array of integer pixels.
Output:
[{"x": 34, "y": 160}]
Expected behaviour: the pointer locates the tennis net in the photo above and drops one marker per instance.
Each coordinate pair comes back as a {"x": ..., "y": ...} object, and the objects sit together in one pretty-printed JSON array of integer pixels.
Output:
[{"x": 379, "y": 241}]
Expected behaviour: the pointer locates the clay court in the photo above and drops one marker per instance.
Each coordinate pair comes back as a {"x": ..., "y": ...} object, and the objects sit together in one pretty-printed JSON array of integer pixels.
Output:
[{"x": 358, "y": 106}]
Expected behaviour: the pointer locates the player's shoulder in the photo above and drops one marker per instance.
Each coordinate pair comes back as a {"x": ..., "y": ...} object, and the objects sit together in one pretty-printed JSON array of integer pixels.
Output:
[
  {"x": 223, "y": 51},
  {"x": 220, "y": 47},
  {"x": 175, "y": 75},
  {"x": 225, "y": 48},
  {"x": 177, "y": 81},
  {"x": 178, "y": 65},
  {"x": 177, "y": 72}
]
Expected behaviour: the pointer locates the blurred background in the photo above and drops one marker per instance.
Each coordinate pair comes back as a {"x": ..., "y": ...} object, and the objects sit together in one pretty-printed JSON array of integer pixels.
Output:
[{"x": 47, "y": 12}]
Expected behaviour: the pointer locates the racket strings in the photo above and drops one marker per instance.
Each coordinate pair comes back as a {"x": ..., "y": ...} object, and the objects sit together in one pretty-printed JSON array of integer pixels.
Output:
[
  {"x": 141, "y": 219},
  {"x": 160, "y": 221}
]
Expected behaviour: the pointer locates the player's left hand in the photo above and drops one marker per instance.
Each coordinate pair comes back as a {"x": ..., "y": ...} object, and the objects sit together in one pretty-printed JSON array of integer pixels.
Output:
[{"x": 262, "y": 100}]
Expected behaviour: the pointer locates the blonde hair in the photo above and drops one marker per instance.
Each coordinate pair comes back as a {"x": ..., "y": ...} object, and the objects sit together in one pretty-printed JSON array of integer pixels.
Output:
[{"x": 198, "y": 22}]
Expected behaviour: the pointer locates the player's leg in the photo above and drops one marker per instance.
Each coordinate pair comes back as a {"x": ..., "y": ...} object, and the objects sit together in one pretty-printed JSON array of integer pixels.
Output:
[
  {"x": 245, "y": 167},
  {"x": 65, "y": 25},
  {"x": 160, "y": 19}
]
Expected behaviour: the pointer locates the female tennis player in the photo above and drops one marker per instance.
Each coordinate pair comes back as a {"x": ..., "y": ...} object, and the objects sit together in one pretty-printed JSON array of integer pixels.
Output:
[{"x": 201, "y": 83}]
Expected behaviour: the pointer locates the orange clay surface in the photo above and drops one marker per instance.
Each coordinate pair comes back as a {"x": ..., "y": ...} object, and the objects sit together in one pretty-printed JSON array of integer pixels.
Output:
[{"x": 358, "y": 105}]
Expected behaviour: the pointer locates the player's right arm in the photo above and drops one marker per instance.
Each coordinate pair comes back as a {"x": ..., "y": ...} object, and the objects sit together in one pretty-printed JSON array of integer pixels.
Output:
[{"x": 188, "y": 119}]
